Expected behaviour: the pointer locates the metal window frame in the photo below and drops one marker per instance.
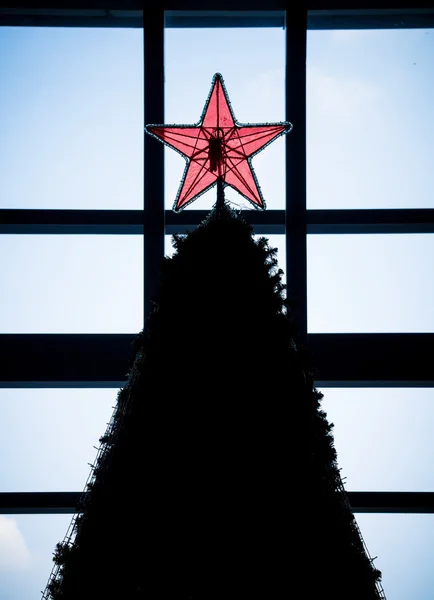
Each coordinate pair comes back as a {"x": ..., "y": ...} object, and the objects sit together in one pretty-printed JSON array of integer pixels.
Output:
[{"x": 400, "y": 359}]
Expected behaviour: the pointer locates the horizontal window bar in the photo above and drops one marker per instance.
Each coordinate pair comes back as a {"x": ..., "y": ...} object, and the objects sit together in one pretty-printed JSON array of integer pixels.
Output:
[
  {"x": 130, "y": 222},
  {"x": 367, "y": 16},
  {"x": 90, "y": 222},
  {"x": 399, "y": 220},
  {"x": 392, "y": 502},
  {"x": 70, "y": 17},
  {"x": 361, "y": 502},
  {"x": 84, "y": 364},
  {"x": 103, "y": 360},
  {"x": 224, "y": 18},
  {"x": 241, "y": 13},
  {"x": 13, "y": 503},
  {"x": 376, "y": 359},
  {"x": 70, "y": 12}
]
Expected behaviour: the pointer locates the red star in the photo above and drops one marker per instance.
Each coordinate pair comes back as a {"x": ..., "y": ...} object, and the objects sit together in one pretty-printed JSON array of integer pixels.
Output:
[{"x": 218, "y": 147}]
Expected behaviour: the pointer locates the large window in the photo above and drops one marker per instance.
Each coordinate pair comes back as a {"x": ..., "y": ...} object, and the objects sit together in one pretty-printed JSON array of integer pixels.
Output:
[{"x": 73, "y": 200}]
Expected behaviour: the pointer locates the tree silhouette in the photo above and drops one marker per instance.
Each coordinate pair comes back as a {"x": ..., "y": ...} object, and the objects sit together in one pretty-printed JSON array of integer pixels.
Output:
[{"x": 217, "y": 476}]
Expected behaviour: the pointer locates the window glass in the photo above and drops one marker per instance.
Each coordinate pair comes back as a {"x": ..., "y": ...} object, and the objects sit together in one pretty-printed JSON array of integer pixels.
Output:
[
  {"x": 251, "y": 61},
  {"x": 370, "y": 118},
  {"x": 48, "y": 436},
  {"x": 383, "y": 437},
  {"x": 370, "y": 283},
  {"x": 27, "y": 544},
  {"x": 71, "y": 118},
  {"x": 71, "y": 283},
  {"x": 404, "y": 546}
]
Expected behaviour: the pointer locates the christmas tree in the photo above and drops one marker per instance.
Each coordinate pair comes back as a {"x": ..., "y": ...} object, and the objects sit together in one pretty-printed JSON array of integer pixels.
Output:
[{"x": 217, "y": 476}]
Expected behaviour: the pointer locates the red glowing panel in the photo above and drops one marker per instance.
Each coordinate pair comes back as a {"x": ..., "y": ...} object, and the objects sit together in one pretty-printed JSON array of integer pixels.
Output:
[{"x": 218, "y": 148}]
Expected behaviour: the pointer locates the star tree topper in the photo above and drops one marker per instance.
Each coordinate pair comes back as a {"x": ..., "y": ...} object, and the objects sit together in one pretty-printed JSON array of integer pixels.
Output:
[{"x": 218, "y": 148}]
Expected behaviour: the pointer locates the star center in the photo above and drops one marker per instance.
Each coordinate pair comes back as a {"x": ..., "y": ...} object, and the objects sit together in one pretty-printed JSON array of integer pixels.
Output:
[{"x": 215, "y": 151}]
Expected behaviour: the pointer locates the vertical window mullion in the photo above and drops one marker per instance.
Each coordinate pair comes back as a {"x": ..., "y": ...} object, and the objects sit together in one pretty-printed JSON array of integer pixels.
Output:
[
  {"x": 153, "y": 44},
  {"x": 295, "y": 99}
]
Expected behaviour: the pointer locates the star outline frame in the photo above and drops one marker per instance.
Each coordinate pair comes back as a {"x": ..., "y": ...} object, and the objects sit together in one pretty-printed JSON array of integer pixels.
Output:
[{"x": 218, "y": 77}]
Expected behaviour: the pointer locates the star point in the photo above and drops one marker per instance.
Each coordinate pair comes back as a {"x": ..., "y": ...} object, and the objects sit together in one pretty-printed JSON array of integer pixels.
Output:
[{"x": 218, "y": 147}]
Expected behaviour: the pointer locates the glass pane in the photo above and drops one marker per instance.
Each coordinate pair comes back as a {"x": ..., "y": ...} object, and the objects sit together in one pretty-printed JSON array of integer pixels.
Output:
[
  {"x": 370, "y": 283},
  {"x": 27, "y": 544},
  {"x": 71, "y": 117},
  {"x": 48, "y": 436},
  {"x": 404, "y": 545},
  {"x": 71, "y": 284},
  {"x": 251, "y": 61},
  {"x": 370, "y": 119},
  {"x": 383, "y": 437}
]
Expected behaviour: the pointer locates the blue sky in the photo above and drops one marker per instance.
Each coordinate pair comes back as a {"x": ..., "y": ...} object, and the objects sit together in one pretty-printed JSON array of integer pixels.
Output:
[{"x": 71, "y": 136}]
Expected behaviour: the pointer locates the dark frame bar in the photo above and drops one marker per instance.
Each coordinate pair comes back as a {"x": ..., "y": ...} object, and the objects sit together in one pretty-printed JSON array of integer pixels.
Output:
[
  {"x": 39, "y": 503},
  {"x": 153, "y": 220},
  {"x": 371, "y": 221},
  {"x": 64, "y": 221},
  {"x": 361, "y": 502},
  {"x": 366, "y": 14},
  {"x": 295, "y": 159},
  {"x": 372, "y": 359},
  {"x": 130, "y": 222},
  {"x": 392, "y": 502},
  {"x": 103, "y": 360}
]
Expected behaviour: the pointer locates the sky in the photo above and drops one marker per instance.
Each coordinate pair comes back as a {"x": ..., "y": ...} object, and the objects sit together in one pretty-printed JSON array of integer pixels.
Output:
[{"x": 71, "y": 136}]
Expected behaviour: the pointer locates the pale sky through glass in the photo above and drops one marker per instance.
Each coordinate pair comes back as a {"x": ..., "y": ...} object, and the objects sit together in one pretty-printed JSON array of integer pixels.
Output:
[{"x": 71, "y": 136}]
